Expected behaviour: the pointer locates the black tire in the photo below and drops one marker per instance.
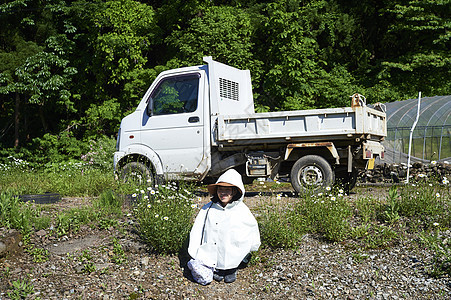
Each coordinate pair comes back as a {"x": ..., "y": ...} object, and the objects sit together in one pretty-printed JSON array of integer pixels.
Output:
[
  {"x": 311, "y": 173},
  {"x": 137, "y": 173},
  {"x": 346, "y": 179},
  {"x": 46, "y": 198},
  {"x": 248, "y": 180}
]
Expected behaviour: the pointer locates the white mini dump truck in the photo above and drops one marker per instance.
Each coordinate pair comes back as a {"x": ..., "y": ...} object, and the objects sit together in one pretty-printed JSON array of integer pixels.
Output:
[{"x": 194, "y": 123}]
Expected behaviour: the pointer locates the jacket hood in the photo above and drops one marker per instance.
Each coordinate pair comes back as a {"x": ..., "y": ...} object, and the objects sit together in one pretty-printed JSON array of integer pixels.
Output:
[{"x": 230, "y": 177}]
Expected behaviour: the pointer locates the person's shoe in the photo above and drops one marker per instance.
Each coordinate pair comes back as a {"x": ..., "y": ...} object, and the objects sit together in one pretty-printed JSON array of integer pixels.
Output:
[
  {"x": 217, "y": 277},
  {"x": 229, "y": 278}
]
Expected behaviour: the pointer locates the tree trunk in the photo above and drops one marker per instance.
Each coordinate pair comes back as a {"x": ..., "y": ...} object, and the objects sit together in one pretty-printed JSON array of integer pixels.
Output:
[
  {"x": 43, "y": 121},
  {"x": 16, "y": 121}
]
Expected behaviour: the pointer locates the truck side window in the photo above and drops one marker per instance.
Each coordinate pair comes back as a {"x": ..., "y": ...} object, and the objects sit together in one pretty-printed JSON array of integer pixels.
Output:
[{"x": 176, "y": 95}]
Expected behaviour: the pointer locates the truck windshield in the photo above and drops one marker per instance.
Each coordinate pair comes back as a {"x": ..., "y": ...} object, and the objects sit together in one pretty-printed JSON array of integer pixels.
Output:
[{"x": 176, "y": 95}]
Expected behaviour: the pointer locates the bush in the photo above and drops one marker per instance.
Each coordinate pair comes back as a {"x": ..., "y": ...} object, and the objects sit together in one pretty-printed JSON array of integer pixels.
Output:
[
  {"x": 164, "y": 215},
  {"x": 277, "y": 228},
  {"x": 101, "y": 153}
]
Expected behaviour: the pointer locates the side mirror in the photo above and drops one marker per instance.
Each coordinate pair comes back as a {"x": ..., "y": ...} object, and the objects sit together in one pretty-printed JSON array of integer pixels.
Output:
[{"x": 149, "y": 107}]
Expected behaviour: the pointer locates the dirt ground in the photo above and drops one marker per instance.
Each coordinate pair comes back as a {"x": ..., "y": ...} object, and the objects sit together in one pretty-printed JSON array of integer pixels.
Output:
[{"x": 82, "y": 266}]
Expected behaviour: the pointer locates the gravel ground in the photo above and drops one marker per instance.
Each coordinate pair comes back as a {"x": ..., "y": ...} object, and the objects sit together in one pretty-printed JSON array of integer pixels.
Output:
[{"x": 316, "y": 270}]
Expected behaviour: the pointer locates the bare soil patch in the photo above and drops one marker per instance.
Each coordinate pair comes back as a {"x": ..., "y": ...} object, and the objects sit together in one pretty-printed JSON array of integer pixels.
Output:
[{"x": 316, "y": 270}]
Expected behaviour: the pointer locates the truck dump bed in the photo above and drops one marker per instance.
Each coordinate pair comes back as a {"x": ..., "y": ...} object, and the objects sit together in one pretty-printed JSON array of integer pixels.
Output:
[{"x": 302, "y": 125}]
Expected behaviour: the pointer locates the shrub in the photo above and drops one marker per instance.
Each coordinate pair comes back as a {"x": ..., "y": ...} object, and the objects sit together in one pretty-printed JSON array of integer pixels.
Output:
[
  {"x": 101, "y": 153},
  {"x": 164, "y": 215},
  {"x": 278, "y": 228}
]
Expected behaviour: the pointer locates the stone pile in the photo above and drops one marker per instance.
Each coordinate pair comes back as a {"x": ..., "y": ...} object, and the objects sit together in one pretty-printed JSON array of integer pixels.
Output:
[{"x": 397, "y": 173}]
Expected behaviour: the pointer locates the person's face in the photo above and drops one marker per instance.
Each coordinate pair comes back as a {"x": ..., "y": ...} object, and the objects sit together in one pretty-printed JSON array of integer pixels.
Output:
[{"x": 225, "y": 194}]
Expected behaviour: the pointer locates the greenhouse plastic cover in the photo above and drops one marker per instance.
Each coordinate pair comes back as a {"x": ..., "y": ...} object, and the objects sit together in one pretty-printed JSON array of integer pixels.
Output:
[
  {"x": 431, "y": 137},
  {"x": 434, "y": 111}
]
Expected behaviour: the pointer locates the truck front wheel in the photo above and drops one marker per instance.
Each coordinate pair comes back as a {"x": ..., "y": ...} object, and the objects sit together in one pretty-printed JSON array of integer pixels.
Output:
[
  {"x": 137, "y": 173},
  {"x": 311, "y": 172}
]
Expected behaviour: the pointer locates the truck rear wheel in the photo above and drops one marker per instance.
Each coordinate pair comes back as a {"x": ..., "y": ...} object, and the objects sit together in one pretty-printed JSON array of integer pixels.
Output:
[
  {"x": 311, "y": 172},
  {"x": 137, "y": 173},
  {"x": 346, "y": 179}
]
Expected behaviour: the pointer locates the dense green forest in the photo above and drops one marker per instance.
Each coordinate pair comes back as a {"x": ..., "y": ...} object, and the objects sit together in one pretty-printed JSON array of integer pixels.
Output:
[{"x": 70, "y": 70}]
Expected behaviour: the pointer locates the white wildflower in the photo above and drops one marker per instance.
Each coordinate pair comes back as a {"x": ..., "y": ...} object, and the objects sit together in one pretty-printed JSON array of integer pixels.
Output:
[
  {"x": 134, "y": 195},
  {"x": 332, "y": 198},
  {"x": 142, "y": 192},
  {"x": 152, "y": 192},
  {"x": 146, "y": 197},
  {"x": 193, "y": 205},
  {"x": 148, "y": 205},
  {"x": 435, "y": 224},
  {"x": 433, "y": 162},
  {"x": 437, "y": 195},
  {"x": 341, "y": 191},
  {"x": 320, "y": 194},
  {"x": 157, "y": 215},
  {"x": 166, "y": 218},
  {"x": 328, "y": 188},
  {"x": 279, "y": 196}
]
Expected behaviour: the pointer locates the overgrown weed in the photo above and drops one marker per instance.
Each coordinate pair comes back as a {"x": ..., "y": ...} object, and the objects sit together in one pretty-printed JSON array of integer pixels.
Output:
[
  {"x": 367, "y": 222},
  {"x": 164, "y": 214}
]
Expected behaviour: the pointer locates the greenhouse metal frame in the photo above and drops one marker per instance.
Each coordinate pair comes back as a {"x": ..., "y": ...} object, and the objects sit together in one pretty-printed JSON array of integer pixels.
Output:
[{"x": 431, "y": 137}]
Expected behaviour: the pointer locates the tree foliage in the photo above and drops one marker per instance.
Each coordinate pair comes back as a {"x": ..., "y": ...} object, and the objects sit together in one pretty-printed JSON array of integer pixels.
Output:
[{"x": 72, "y": 69}]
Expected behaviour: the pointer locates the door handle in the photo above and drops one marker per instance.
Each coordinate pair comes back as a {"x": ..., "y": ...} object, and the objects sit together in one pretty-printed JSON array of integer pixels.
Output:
[{"x": 193, "y": 119}]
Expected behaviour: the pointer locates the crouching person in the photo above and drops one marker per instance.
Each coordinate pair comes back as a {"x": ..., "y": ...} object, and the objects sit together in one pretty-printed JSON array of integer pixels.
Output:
[{"x": 224, "y": 232}]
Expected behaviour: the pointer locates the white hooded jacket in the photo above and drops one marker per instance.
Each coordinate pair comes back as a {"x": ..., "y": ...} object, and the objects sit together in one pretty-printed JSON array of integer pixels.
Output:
[{"x": 229, "y": 233}]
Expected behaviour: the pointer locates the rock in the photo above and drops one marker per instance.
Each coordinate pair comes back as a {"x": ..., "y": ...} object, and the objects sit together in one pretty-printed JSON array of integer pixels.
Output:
[
  {"x": 145, "y": 261},
  {"x": 11, "y": 243},
  {"x": 41, "y": 233},
  {"x": 2, "y": 247}
]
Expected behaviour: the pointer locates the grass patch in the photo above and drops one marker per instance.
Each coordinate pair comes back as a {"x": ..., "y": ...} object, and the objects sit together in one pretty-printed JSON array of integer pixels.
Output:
[
  {"x": 164, "y": 214},
  {"x": 412, "y": 211},
  {"x": 67, "y": 179}
]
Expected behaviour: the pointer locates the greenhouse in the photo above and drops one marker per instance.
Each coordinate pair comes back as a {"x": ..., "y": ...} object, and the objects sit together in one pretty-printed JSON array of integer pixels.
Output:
[{"x": 431, "y": 138}]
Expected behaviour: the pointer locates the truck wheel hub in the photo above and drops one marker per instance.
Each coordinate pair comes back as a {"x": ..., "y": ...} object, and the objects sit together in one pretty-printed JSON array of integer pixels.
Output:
[{"x": 311, "y": 175}]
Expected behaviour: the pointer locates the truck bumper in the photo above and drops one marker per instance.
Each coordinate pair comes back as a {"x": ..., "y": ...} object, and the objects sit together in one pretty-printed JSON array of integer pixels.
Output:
[{"x": 372, "y": 149}]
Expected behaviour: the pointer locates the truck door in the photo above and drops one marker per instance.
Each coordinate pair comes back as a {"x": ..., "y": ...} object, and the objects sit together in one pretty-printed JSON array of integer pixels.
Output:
[{"x": 173, "y": 125}]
